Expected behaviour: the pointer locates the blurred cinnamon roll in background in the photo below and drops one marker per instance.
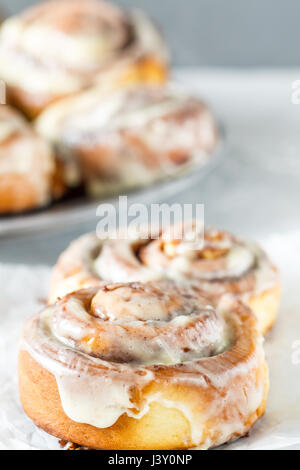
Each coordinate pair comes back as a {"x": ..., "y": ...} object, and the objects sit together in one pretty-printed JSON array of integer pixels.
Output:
[
  {"x": 122, "y": 137},
  {"x": 143, "y": 366},
  {"x": 60, "y": 47},
  {"x": 29, "y": 175},
  {"x": 222, "y": 265}
]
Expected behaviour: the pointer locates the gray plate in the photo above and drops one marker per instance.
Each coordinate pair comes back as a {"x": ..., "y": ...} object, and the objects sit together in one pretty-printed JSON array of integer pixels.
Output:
[{"x": 77, "y": 210}]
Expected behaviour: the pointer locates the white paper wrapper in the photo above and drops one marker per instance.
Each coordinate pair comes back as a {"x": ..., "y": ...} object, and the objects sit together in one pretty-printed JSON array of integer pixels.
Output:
[{"x": 23, "y": 291}]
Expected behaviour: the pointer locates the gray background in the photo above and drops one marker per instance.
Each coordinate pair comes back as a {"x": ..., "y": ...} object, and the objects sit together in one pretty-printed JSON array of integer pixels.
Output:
[
  {"x": 255, "y": 190},
  {"x": 221, "y": 32}
]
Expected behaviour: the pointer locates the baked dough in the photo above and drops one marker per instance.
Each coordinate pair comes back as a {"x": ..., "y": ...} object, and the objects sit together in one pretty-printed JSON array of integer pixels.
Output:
[
  {"x": 223, "y": 264},
  {"x": 129, "y": 136},
  {"x": 29, "y": 175},
  {"x": 143, "y": 366},
  {"x": 59, "y": 47}
]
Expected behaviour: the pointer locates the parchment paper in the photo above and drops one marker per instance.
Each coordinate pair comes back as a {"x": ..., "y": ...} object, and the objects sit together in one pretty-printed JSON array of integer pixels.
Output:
[{"x": 24, "y": 288}]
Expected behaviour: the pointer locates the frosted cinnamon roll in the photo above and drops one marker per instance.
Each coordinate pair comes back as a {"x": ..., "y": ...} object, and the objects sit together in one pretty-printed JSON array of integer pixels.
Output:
[
  {"x": 60, "y": 47},
  {"x": 29, "y": 177},
  {"x": 222, "y": 264},
  {"x": 121, "y": 138},
  {"x": 143, "y": 366}
]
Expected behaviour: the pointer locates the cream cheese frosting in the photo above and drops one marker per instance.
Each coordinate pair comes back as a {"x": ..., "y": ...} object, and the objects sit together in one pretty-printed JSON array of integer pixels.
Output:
[
  {"x": 25, "y": 156},
  {"x": 98, "y": 391},
  {"x": 61, "y": 46},
  {"x": 21, "y": 150},
  {"x": 222, "y": 262},
  {"x": 130, "y": 136}
]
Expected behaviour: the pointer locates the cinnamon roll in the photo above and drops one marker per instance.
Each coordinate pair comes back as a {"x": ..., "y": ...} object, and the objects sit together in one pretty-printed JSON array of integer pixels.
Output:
[
  {"x": 29, "y": 176},
  {"x": 60, "y": 47},
  {"x": 143, "y": 366},
  {"x": 222, "y": 265},
  {"x": 130, "y": 136}
]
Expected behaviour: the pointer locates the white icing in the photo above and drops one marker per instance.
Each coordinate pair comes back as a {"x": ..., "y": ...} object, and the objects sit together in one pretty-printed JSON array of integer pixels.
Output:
[
  {"x": 117, "y": 262},
  {"x": 7, "y": 128},
  {"x": 266, "y": 275},
  {"x": 69, "y": 284},
  {"x": 98, "y": 118},
  {"x": 25, "y": 154},
  {"x": 80, "y": 50},
  {"x": 239, "y": 260},
  {"x": 98, "y": 392},
  {"x": 73, "y": 60},
  {"x": 67, "y": 327},
  {"x": 101, "y": 403},
  {"x": 106, "y": 106},
  {"x": 129, "y": 176},
  {"x": 195, "y": 420},
  {"x": 118, "y": 271}
]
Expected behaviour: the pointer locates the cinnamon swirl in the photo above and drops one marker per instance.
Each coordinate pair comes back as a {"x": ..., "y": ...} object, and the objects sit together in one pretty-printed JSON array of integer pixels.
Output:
[
  {"x": 143, "y": 366},
  {"x": 29, "y": 176},
  {"x": 60, "y": 47},
  {"x": 130, "y": 136},
  {"x": 224, "y": 264}
]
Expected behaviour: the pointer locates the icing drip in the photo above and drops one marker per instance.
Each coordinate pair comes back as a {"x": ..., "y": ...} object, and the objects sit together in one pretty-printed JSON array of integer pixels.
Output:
[{"x": 114, "y": 348}]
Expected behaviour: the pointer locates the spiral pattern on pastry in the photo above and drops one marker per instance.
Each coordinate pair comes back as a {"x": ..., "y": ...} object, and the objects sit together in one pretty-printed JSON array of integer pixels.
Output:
[
  {"x": 224, "y": 264},
  {"x": 60, "y": 47},
  {"x": 143, "y": 366},
  {"x": 27, "y": 165},
  {"x": 130, "y": 136}
]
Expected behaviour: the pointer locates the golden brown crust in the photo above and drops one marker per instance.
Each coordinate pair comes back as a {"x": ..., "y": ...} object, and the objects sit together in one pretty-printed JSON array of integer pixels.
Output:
[
  {"x": 186, "y": 400},
  {"x": 41, "y": 401},
  {"x": 145, "y": 132},
  {"x": 259, "y": 287}
]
